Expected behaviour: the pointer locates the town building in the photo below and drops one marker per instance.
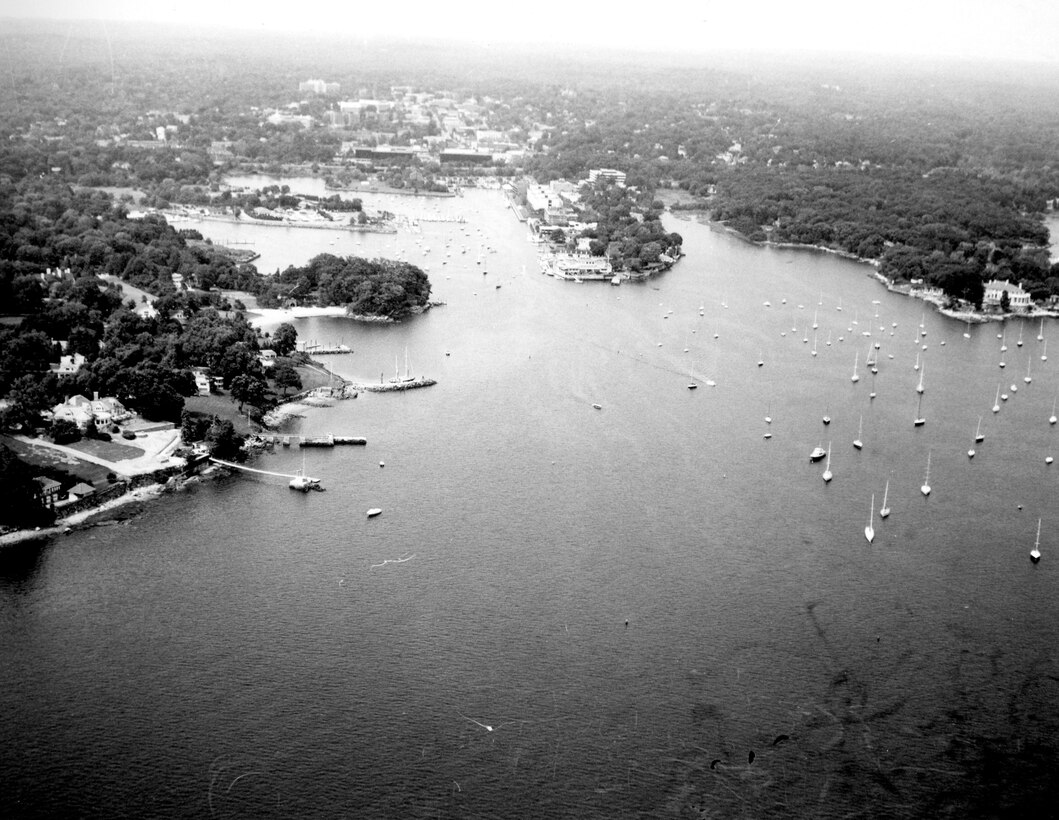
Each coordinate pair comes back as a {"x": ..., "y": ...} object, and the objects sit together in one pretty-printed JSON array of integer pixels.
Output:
[{"x": 606, "y": 175}]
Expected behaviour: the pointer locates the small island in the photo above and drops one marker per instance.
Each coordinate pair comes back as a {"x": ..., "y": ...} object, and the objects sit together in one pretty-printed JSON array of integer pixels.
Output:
[{"x": 371, "y": 290}]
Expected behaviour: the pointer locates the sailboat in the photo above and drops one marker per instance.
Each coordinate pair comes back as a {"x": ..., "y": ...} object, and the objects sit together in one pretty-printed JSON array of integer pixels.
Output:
[
  {"x": 1040, "y": 335},
  {"x": 919, "y": 421},
  {"x": 692, "y": 385},
  {"x": 871, "y": 395},
  {"x": 996, "y": 402},
  {"x": 1052, "y": 418},
  {"x": 827, "y": 416},
  {"x": 302, "y": 482},
  {"x": 925, "y": 489},
  {"x": 919, "y": 388},
  {"x": 1044, "y": 353},
  {"x": 1035, "y": 553},
  {"x": 860, "y": 428},
  {"x": 768, "y": 413},
  {"x": 884, "y": 510},
  {"x": 855, "y": 378},
  {"x": 829, "y": 338},
  {"x": 760, "y": 359},
  {"x": 1019, "y": 342},
  {"x": 916, "y": 365},
  {"x": 1027, "y": 378},
  {"x": 815, "y": 325},
  {"x": 827, "y": 468},
  {"x": 814, "y": 342},
  {"x": 977, "y": 438},
  {"x": 869, "y": 531}
]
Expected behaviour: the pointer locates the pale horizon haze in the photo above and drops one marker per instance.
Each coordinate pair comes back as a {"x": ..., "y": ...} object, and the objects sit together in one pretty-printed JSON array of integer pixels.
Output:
[{"x": 1014, "y": 30}]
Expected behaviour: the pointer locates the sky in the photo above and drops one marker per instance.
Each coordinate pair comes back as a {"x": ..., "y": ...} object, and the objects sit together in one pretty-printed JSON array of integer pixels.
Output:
[{"x": 1022, "y": 30}]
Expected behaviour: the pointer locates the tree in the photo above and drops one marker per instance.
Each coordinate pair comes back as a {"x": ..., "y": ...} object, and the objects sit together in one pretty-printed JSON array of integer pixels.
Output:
[
  {"x": 284, "y": 339},
  {"x": 64, "y": 431},
  {"x": 286, "y": 377},
  {"x": 20, "y": 501},
  {"x": 224, "y": 442},
  {"x": 1005, "y": 302},
  {"x": 248, "y": 388}
]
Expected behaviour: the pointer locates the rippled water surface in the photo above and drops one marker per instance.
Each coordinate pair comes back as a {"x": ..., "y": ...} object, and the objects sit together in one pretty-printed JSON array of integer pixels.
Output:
[{"x": 642, "y": 610}]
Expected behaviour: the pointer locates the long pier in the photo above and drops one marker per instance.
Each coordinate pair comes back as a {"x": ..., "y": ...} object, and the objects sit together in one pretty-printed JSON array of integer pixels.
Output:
[{"x": 244, "y": 468}]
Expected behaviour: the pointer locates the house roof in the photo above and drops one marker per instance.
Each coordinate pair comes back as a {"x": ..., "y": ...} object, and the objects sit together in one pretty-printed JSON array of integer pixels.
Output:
[
  {"x": 47, "y": 484},
  {"x": 82, "y": 489}
]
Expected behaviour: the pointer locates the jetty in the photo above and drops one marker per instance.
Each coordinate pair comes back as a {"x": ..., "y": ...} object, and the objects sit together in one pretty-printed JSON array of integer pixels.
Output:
[{"x": 328, "y": 440}]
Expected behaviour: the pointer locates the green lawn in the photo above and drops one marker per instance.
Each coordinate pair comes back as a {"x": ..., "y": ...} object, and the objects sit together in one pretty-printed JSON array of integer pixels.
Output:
[{"x": 37, "y": 456}]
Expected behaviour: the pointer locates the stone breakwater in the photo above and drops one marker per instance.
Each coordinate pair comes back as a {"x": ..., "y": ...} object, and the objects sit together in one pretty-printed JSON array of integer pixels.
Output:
[{"x": 392, "y": 387}]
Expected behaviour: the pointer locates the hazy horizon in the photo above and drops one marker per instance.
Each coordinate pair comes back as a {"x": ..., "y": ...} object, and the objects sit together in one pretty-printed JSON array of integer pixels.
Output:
[{"x": 987, "y": 30}]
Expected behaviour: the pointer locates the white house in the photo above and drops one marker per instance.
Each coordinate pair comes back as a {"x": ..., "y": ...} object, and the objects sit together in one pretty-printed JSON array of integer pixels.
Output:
[{"x": 1018, "y": 299}]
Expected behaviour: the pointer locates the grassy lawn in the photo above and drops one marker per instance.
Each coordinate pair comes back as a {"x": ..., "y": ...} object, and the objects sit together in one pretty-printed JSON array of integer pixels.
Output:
[
  {"x": 45, "y": 457},
  {"x": 221, "y": 406},
  {"x": 110, "y": 450}
]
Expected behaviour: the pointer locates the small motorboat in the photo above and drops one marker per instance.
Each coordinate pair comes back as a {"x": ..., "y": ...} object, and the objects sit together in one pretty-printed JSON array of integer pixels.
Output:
[{"x": 374, "y": 511}]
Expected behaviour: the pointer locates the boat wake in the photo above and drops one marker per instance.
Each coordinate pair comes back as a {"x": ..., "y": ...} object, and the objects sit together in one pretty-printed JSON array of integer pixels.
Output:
[{"x": 393, "y": 561}]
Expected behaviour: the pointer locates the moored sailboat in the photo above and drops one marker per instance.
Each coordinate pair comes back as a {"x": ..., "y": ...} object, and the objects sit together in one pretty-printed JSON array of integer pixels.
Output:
[
  {"x": 1035, "y": 553},
  {"x": 857, "y": 443},
  {"x": 884, "y": 510},
  {"x": 869, "y": 531},
  {"x": 925, "y": 489},
  {"x": 827, "y": 468},
  {"x": 919, "y": 420},
  {"x": 996, "y": 403}
]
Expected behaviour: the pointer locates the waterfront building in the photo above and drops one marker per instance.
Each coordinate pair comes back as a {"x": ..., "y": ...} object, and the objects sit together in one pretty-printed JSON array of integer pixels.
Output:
[{"x": 1018, "y": 299}]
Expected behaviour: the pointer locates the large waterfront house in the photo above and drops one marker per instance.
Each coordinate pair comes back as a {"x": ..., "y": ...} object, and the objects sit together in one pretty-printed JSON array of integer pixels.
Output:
[
  {"x": 83, "y": 411},
  {"x": 1018, "y": 299}
]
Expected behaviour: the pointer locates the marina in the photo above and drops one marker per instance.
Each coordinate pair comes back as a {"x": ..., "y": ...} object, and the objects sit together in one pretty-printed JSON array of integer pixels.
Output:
[{"x": 638, "y": 599}]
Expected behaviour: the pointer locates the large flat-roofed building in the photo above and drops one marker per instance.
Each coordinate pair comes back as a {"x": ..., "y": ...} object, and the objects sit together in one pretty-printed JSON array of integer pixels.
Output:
[
  {"x": 606, "y": 174},
  {"x": 466, "y": 157}
]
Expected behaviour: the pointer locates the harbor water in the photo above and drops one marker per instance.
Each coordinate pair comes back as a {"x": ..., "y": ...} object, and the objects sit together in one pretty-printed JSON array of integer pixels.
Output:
[{"x": 640, "y": 609}]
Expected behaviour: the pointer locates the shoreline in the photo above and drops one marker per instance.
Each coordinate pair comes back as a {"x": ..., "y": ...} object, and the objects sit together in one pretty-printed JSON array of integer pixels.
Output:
[
  {"x": 978, "y": 317},
  {"x": 81, "y": 520}
]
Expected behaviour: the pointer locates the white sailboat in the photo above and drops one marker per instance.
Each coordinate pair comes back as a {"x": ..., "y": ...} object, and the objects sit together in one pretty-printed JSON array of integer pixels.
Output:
[
  {"x": 884, "y": 510},
  {"x": 916, "y": 365},
  {"x": 919, "y": 387},
  {"x": 1052, "y": 418},
  {"x": 979, "y": 437},
  {"x": 1019, "y": 342},
  {"x": 1035, "y": 553},
  {"x": 692, "y": 385},
  {"x": 860, "y": 429},
  {"x": 815, "y": 325},
  {"x": 925, "y": 489},
  {"x": 827, "y": 415},
  {"x": 827, "y": 468},
  {"x": 814, "y": 342},
  {"x": 829, "y": 338},
  {"x": 919, "y": 420},
  {"x": 1040, "y": 335},
  {"x": 996, "y": 402},
  {"x": 1027, "y": 378},
  {"x": 856, "y": 358},
  {"x": 768, "y": 413},
  {"x": 869, "y": 531},
  {"x": 1044, "y": 353}
]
